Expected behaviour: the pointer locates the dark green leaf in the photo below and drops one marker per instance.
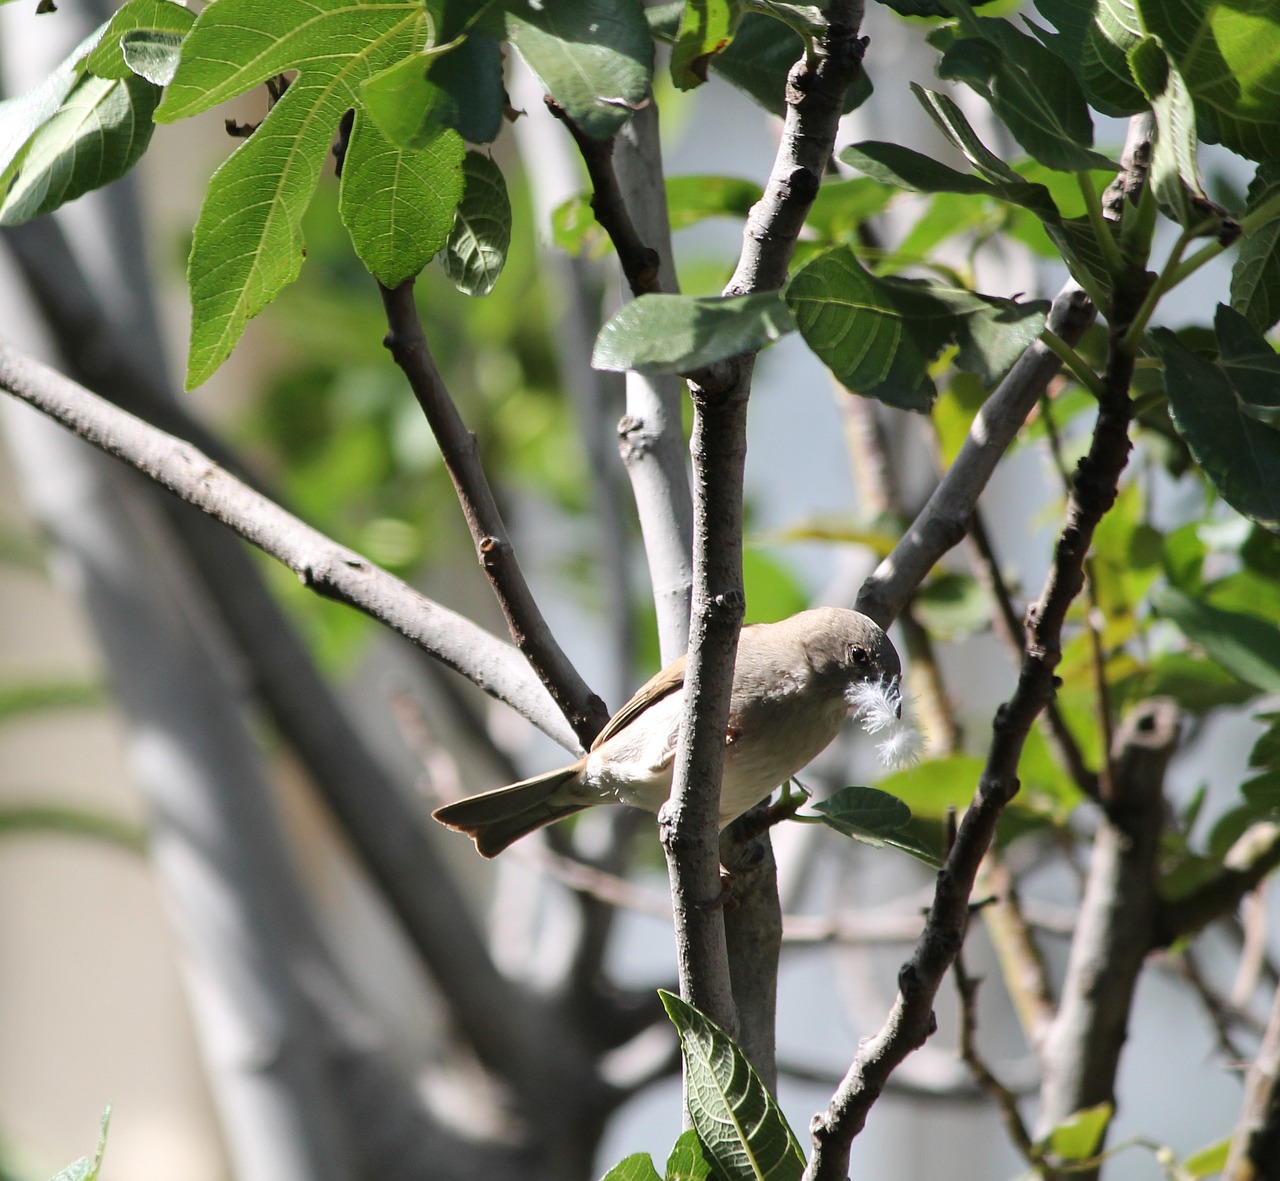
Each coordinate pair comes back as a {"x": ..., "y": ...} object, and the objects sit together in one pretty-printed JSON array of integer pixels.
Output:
[
  {"x": 735, "y": 1117},
  {"x": 1266, "y": 750},
  {"x": 936, "y": 8},
  {"x": 879, "y": 336},
  {"x": 408, "y": 107},
  {"x": 681, "y": 333},
  {"x": 1094, "y": 38},
  {"x": 1032, "y": 90},
  {"x": 1239, "y": 454},
  {"x": 398, "y": 206},
  {"x": 953, "y": 124},
  {"x": 1227, "y": 54},
  {"x": 477, "y": 248},
  {"x": 1175, "y": 181},
  {"x": 108, "y": 59},
  {"x": 1251, "y": 364},
  {"x": 1255, "y": 278},
  {"x": 873, "y": 817},
  {"x": 760, "y": 57},
  {"x": 1246, "y": 645},
  {"x": 472, "y": 75},
  {"x": 99, "y": 132},
  {"x": 706, "y": 29},
  {"x": 594, "y": 57},
  {"x": 636, "y": 1167}
]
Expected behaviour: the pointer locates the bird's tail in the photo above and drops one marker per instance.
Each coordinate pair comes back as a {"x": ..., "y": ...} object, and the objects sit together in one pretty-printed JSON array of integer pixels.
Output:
[{"x": 495, "y": 818}]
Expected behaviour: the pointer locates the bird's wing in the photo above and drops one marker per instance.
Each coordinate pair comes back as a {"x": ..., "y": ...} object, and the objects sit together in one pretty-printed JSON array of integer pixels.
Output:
[{"x": 661, "y": 684}]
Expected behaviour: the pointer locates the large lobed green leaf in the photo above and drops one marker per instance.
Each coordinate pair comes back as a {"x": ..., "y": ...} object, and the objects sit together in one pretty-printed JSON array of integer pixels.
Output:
[
  {"x": 248, "y": 242},
  {"x": 1221, "y": 408},
  {"x": 875, "y": 818},
  {"x": 880, "y": 335},
  {"x": 1094, "y": 37},
  {"x": 681, "y": 333},
  {"x": 737, "y": 1121},
  {"x": 1244, "y": 644}
]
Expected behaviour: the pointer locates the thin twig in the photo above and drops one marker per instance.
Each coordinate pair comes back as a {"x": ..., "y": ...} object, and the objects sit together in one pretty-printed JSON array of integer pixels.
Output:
[
  {"x": 585, "y": 711},
  {"x": 1255, "y": 1144},
  {"x": 327, "y": 568},
  {"x": 1005, "y": 1100}
]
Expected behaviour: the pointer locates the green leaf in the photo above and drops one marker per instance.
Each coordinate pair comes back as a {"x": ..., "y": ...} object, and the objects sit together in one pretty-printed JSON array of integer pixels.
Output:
[
  {"x": 22, "y": 115},
  {"x": 1239, "y": 454},
  {"x": 841, "y": 206},
  {"x": 1032, "y": 90},
  {"x": 477, "y": 248},
  {"x": 761, "y": 55},
  {"x": 594, "y": 57},
  {"x": 99, "y": 132},
  {"x": 931, "y": 788},
  {"x": 873, "y": 817},
  {"x": 88, "y": 1167},
  {"x": 398, "y": 206},
  {"x": 706, "y": 29},
  {"x": 1255, "y": 278},
  {"x": 157, "y": 16},
  {"x": 472, "y": 75},
  {"x": 636, "y": 1167},
  {"x": 737, "y": 1121},
  {"x": 879, "y": 335},
  {"x": 688, "y": 1161},
  {"x": 24, "y": 698},
  {"x": 408, "y": 107},
  {"x": 248, "y": 243},
  {"x": 934, "y": 8},
  {"x": 1251, "y": 364},
  {"x": 691, "y": 199},
  {"x": 681, "y": 333},
  {"x": 1227, "y": 55},
  {"x": 1175, "y": 180},
  {"x": 1079, "y": 1135},
  {"x": 952, "y": 606},
  {"x": 1207, "y": 1161},
  {"x": 1094, "y": 38},
  {"x": 1246, "y": 645}
]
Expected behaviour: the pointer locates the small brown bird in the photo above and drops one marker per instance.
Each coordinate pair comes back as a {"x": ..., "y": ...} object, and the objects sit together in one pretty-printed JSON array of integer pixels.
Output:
[{"x": 794, "y": 682}]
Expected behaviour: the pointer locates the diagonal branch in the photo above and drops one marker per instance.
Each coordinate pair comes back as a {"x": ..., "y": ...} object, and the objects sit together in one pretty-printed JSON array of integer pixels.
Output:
[
  {"x": 329, "y": 569},
  {"x": 911, "y": 1021},
  {"x": 407, "y": 343},
  {"x": 944, "y": 520}
]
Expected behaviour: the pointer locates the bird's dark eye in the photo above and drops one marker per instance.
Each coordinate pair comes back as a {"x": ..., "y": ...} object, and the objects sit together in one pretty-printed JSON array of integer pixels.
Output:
[{"x": 858, "y": 654}]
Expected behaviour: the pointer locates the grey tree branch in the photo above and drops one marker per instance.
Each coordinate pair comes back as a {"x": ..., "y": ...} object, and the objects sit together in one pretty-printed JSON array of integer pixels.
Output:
[
  {"x": 407, "y": 343},
  {"x": 816, "y": 88},
  {"x": 1081, "y": 1053},
  {"x": 1255, "y": 1144},
  {"x": 943, "y": 521},
  {"x": 327, "y": 568}
]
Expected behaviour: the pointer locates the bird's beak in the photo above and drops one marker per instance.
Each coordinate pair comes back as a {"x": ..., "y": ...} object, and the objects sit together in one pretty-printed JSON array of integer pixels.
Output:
[{"x": 895, "y": 695}]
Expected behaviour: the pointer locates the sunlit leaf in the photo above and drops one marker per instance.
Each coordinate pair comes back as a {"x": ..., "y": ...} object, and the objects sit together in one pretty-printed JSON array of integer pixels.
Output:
[
  {"x": 1079, "y": 1135},
  {"x": 108, "y": 59},
  {"x": 706, "y": 29},
  {"x": 636, "y": 1167},
  {"x": 1094, "y": 38},
  {"x": 688, "y": 1160},
  {"x": 873, "y": 817}
]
